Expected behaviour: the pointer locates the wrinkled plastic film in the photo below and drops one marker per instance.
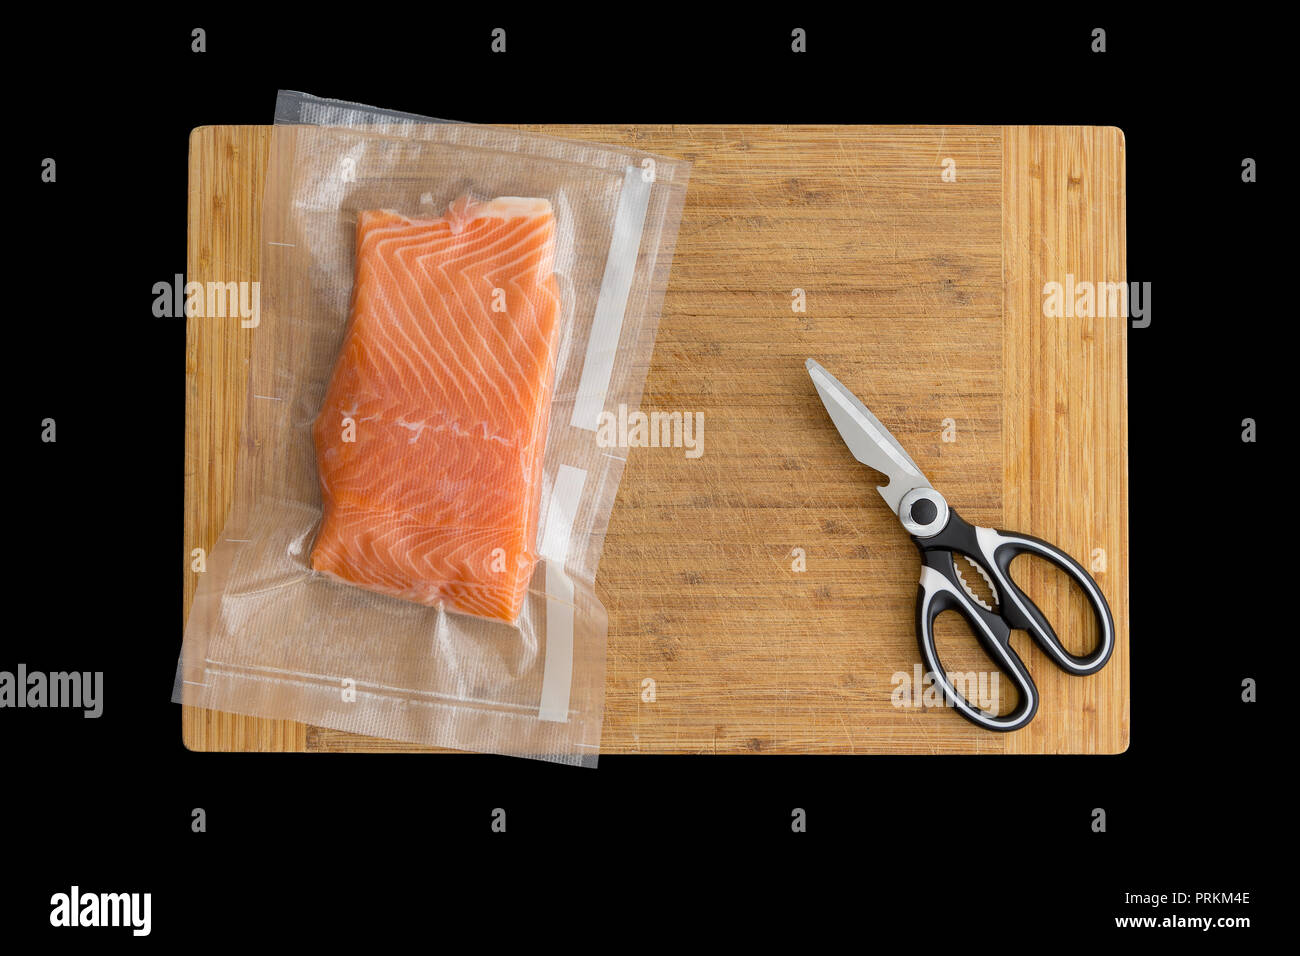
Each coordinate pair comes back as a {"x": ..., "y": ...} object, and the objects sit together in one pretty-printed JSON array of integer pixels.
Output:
[{"x": 269, "y": 636}]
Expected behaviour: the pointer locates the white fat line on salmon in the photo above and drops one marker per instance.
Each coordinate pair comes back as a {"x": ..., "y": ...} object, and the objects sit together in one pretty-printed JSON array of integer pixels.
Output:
[
  {"x": 656, "y": 430},
  {"x": 75, "y": 908},
  {"x": 213, "y": 300},
  {"x": 78, "y": 690}
]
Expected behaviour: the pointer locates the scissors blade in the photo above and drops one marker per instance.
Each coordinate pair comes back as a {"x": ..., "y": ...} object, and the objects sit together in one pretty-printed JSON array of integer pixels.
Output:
[{"x": 869, "y": 440}]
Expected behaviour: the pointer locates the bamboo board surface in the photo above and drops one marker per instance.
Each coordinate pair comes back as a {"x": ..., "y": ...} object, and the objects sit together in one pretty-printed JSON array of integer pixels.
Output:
[{"x": 764, "y": 588}]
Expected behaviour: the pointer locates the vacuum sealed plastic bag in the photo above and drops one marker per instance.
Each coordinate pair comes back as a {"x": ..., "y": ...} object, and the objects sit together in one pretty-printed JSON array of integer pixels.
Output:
[{"x": 421, "y": 502}]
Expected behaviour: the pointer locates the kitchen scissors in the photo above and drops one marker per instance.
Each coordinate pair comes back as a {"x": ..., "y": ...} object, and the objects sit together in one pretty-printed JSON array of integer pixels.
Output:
[{"x": 939, "y": 532}]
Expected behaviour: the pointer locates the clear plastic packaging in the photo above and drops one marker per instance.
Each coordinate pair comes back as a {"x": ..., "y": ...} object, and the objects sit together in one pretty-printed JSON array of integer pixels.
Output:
[{"x": 271, "y": 636}]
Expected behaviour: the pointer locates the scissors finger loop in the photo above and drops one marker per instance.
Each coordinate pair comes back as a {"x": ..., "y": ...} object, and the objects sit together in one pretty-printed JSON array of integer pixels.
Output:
[
  {"x": 1001, "y": 547},
  {"x": 938, "y": 592}
]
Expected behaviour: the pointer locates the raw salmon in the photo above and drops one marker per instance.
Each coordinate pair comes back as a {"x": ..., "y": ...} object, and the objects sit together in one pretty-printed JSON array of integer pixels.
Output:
[{"x": 429, "y": 444}]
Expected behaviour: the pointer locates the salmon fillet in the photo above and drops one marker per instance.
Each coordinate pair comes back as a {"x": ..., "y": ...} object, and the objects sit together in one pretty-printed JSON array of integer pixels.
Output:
[{"x": 445, "y": 374}]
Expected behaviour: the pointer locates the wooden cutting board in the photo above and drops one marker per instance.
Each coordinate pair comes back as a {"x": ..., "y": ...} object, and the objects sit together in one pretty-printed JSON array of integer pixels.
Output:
[{"x": 761, "y": 596}]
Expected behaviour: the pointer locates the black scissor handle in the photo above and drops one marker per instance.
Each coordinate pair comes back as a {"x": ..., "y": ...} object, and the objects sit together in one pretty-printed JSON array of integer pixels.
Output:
[
  {"x": 999, "y": 548},
  {"x": 941, "y": 591},
  {"x": 994, "y": 550}
]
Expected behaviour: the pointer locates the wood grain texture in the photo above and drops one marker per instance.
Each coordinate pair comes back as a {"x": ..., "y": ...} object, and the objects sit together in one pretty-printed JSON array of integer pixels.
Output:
[
  {"x": 224, "y": 227},
  {"x": 1065, "y": 441},
  {"x": 924, "y": 296}
]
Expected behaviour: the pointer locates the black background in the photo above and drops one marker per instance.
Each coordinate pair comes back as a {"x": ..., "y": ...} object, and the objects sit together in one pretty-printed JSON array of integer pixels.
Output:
[{"x": 973, "y": 848}]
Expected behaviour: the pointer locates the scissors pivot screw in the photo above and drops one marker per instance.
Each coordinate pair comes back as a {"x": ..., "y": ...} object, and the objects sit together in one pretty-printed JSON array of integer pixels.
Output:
[{"x": 923, "y": 511}]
